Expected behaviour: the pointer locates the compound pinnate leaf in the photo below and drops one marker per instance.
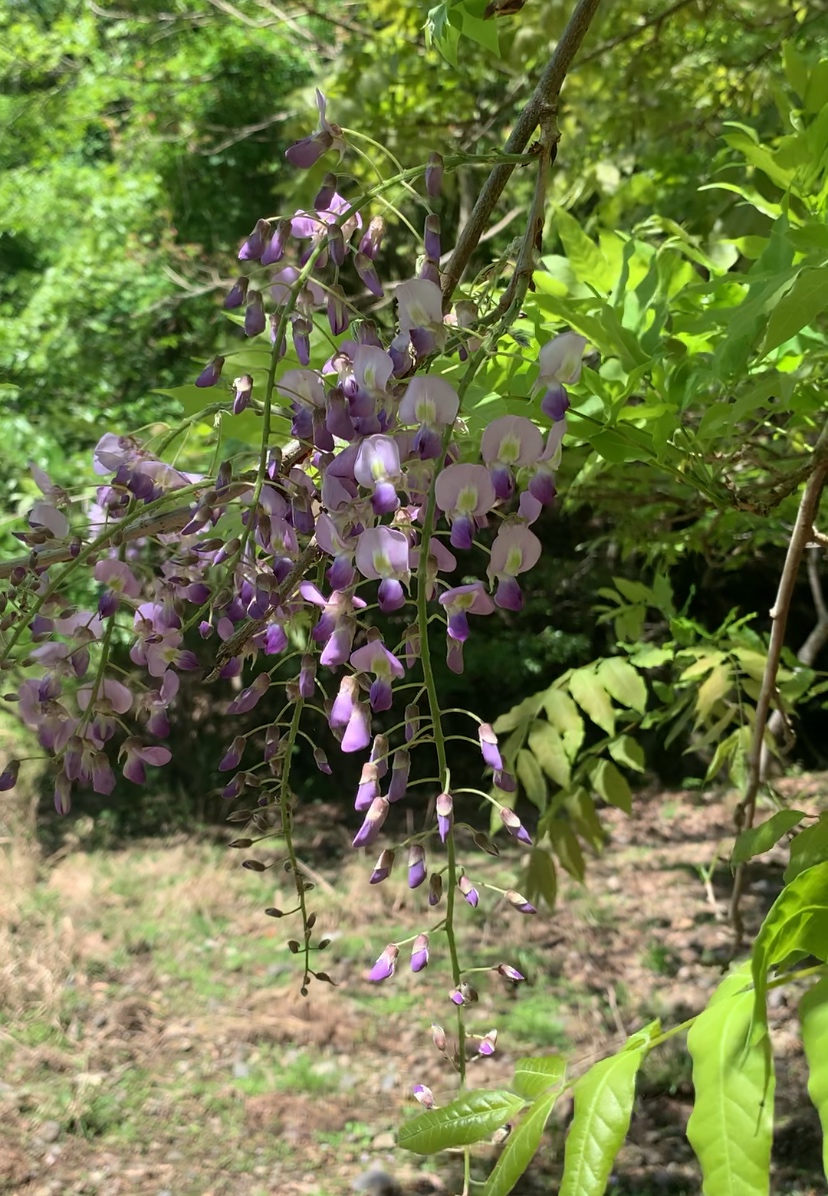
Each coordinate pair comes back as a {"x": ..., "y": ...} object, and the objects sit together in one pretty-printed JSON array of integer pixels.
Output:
[
  {"x": 603, "y": 1107},
  {"x": 472, "y": 1118},
  {"x": 762, "y": 838},
  {"x": 531, "y": 778},
  {"x": 607, "y": 781},
  {"x": 623, "y": 682},
  {"x": 534, "y": 1075},
  {"x": 520, "y": 1147},
  {"x": 813, "y": 1018},
  {"x": 548, "y": 748},
  {"x": 731, "y": 1125},
  {"x": 796, "y": 922},
  {"x": 588, "y": 691}
]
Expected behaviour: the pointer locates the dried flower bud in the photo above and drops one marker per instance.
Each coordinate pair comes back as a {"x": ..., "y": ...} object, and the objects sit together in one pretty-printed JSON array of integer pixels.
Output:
[{"x": 435, "y": 888}]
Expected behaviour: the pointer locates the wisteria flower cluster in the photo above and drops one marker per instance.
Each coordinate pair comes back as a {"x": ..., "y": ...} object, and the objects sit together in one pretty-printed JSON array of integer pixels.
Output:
[{"x": 376, "y": 502}]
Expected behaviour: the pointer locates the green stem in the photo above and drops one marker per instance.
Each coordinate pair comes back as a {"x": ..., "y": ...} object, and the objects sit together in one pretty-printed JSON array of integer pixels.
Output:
[{"x": 287, "y": 831}]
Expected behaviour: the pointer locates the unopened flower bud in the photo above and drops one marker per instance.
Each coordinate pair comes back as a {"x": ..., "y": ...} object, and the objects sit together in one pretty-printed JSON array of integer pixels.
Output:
[
  {"x": 211, "y": 373},
  {"x": 519, "y": 902},
  {"x": 368, "y": 786},
  {"x": 232, "y": 757},
  {"x": 424, "y": 1095},
  {"x": 416, "y": 865},
  {"x": 419, "y": 953},
  {"x": 379, "y": 754},
  {"x": 469, "y": 891},
  {"x": 321, "y": 761},
  {"x": 412, "y": 721},
  {"x": 8, "y": 777},
  {"x": 489, "y": 748},
  {"x": 434, "y": 175},
  {"x": 385, "y": 965},
  {"x": 399, "y": 775},
  {"x": 431, "y": 237},
  {"x": 243, "y": 390},
  {"x": 237, "y": 294},
  {"x": 435, "y": 888},
  {"x": 374, "y": 819},
  {"x": 488, "y": 1043},
  {"x": 307, "y": 677},
  {"x": 514, "y": 826},
  {"x": 445, "y": 815},
  {"x": 506, "y": 970},
  {"x": 326, "y": 192},
  {"x": 438, "y": 1037},
  {"x": 382, "y": 869}
]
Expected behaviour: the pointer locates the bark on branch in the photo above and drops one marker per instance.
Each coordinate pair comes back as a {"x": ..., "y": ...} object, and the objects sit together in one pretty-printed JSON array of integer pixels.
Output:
[{"x": 800, "y": 536}]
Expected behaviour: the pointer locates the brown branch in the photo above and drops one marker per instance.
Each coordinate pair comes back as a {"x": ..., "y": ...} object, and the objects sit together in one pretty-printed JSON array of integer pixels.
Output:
[
  {"x": 800, "y": 536},
  {"x": 544, "y": 97},
  {"x": 816, "y": 640}
]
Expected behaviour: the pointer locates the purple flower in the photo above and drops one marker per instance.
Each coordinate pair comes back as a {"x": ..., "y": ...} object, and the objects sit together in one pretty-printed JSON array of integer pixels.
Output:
[
  {"x": 463, "y": 600},
  {"x": 379, "y": 754},
  {"x": 510, "y": 973},
  {"x": 385, "y": 965},
  {"x": 232, "y": 757},
  {"x": 137, "y": 755},
  {"x": 321, "y": 761},
  {"x": 375, "y": 658},
  {"x": 243, "y": 389},
  {"x": 249, "y": 697},
  {"x": 507, "y": 444},
  {"x": 431, "y": 236},
  {"x": 255, "y": 320},
  {"x": 555, "y": 402},
  {"x": 374, "y": 819},
  {"x": 368, "y": 788},
  {"x": 275, "y": 250},
  {"x": 434, "y": 175},
  {"x": 469, "y": 891},
  {"x": 420, "y": 311},
  {"x": 515, "y": 550},
  {"x": 63, "y": 794},
  {"x": 424, "y": 1095},
  {"x": 464, "y": 995},
  {"x": 430, "y": 402},
  {"x": 237, "y": 293},
  {"x": 8, "y": 777},
  {"x": 382, "y": 869},
  {"x": 514, "y": 826},
  {"x": 369, "y": 246},
  {"x": 560, "y": 359},
  {"x": 488, "y": 1043},
  {"x": 383, "y": 552},
  {"x": 445, "y": 814},
  {"x": 416, "y": 866},
  {"x": 399, "y": 775},
  {"x": 412, "y": 721},
  {"x": 254, "y": 245},
  {"x": 519, "y": 902},
  {"x": 377, "y": 467},
  {"x": 303, "y": 154},
  {"x": 465, "y": 493},
  {"x": 209, "y": 376},
  {"x": 489, "y": 748},
  {"x": 419, "y": 953}
]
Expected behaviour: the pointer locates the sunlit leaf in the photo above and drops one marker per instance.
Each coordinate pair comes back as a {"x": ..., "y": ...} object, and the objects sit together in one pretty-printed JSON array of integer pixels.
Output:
[
  {"x": 471, "y": 1118},
  {"x": 763, "y": 837},
  {"x": 520, "y": 1148},
  {"x": 813, "y": 1018}
]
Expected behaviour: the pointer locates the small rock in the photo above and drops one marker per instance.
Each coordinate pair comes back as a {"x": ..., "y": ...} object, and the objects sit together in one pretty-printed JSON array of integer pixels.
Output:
[
  {"x": 385, "y": 1141},
  {"x": 377, "y": 1183},
  {"x": 50, "y": 1131}
]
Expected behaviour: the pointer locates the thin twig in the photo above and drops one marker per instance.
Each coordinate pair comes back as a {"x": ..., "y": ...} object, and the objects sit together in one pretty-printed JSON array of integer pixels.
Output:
[
  {"x": 800, "y": 536},
  {"x": 544, "y": 97}
]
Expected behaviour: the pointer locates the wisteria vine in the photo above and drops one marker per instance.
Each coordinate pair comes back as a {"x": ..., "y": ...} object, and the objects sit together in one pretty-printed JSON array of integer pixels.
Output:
[{"x": 366, "y": 505}]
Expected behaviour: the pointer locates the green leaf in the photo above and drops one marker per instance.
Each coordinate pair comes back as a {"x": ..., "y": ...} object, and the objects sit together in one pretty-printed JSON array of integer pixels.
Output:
[
  {"x": 807, "y": 298},
  {"x": 531, "y": 778},
  {"x": 564, "y": 715},
  {"x": 480, "y": 31},
  {"x": 762, "y": 838},
  {"x": 523, "y": 713},
  {"x": 603, "y": 1107},
  {"x": 731, "y": 1125},
  {"x": 583, "y": 255},
  {"x": 623, "y": 682},
  {"x": 588, "y": 691},
  {"x": 520, "y": 1148},
  {"x": 809, "y": 847},
  {"x": 541, "y": 879},
  {"x": 611, "y": 784},
  {"x": 548, "y": 748},
  {"x": 533, "y": 1076},
  {"x": 712, "y": 690},
  {"x": 567, "y": 848},
  {"x": 472, "y": 1118},
  {"x": 813, "y": 1018},
  {"x": 797, "y": 921},
  {"x": 627, "y": 751}
]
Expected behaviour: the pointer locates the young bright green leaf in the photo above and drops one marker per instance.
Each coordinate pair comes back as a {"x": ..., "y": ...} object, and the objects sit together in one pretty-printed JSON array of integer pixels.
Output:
[
  {"x": 548, "y": 748},
  {"x": 534, "y": 1076},
  {"x": 531, "y": 777},
  {"x": 478, "y": 30},
  {"x": 731, "y": 1125},
  {"x": 519, "y": 715},
  {"x": 472, "y": 1118},
  {"x": 541, "y": 879},
  {"x": 611, "y": 785},
  {"x": 623, "y": 682},
  {"x": 807, "y": 299},
  {"x": 809, "y": 847},
  {"x": 603, "y": 1107},
  {"x": 628, "y": 752},
  {"x": 583, "y": 255},
  {"x": 813, "y": 1018},
  {"x": 565, "y": 716},
  {"x": 797, "y": 921},
  {"x": 590, "y": 694},
  {"x": 762, "y": 838},
  {"x": 712, "y": 690},
  {"x": 520, "y": 1148}
]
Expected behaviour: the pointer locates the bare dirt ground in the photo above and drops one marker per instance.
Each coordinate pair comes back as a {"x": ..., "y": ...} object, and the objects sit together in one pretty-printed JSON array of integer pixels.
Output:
[{"x": 153, "y": 1041}]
